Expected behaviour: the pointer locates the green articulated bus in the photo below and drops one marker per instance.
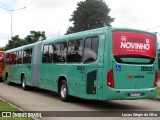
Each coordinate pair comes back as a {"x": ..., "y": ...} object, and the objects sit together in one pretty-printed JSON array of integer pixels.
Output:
[{"x": 100, "y": 64}]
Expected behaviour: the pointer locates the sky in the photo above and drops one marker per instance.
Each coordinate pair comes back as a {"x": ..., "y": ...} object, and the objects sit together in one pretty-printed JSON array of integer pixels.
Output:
[{"x": 52, "y": 16}]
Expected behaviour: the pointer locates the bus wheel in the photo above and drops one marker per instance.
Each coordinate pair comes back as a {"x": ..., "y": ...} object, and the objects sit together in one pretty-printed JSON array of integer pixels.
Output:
[
  {"x": 24, "y": 86},
  {"x": 63, "y": 91}
]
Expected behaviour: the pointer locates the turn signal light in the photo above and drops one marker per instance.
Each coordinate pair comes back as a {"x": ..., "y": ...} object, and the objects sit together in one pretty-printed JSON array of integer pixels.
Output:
[
  {"x": 156, "y": 79},
  {"x": 110, "y": 79}
]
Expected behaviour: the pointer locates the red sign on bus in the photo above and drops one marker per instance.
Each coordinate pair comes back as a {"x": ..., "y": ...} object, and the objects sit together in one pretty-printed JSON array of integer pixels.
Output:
[{"x": 133, "y": 44}]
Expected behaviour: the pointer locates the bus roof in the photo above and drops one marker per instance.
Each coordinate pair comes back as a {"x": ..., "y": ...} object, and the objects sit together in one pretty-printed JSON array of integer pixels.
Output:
[
  {"x": 20, "y": 48},
  {"x": 79, "y": 35},
  {"x": 134, "y": 30}
]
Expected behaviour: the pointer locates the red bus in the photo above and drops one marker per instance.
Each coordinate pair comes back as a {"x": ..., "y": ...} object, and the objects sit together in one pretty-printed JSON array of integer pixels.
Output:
[{"x": 1, "y": 63}]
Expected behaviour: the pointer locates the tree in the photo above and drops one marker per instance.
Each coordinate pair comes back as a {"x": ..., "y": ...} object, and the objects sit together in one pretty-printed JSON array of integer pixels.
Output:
[
  {"x": 35, "y": 36},
  {"x": 2, "y": 48},
  {"x": 15, "y": 42},
  {"x": 90, "y": 14}
]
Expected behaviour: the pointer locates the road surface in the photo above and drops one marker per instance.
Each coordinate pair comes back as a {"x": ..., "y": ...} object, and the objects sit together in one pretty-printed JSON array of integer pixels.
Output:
[{"x": 42, "y": 100}]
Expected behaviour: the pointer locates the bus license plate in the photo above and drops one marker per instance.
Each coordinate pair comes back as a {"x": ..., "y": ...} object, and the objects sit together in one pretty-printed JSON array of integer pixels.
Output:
[{"x": 135, "y": 94}]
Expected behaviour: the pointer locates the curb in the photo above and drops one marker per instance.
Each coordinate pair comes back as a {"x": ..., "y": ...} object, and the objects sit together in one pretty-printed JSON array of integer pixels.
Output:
[{"x": 11, "y": 104}]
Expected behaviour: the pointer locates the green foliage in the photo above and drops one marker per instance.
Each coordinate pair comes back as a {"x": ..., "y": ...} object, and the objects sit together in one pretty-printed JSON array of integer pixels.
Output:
[
  {"x": 6, "y": 107},
  {"x": 2, "y": 48},
  {"x": 17, "y": 41},
  {"x": 90, "y": 14},
  {"x": 35, "y": 36}
]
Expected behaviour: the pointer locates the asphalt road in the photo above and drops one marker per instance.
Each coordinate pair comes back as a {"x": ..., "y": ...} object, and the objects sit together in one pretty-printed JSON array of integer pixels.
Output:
[{"x": 42, "y": 100}]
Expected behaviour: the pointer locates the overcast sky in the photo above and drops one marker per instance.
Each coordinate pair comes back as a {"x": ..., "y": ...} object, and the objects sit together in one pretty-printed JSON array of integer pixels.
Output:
[{"x": 52, "y": 16}]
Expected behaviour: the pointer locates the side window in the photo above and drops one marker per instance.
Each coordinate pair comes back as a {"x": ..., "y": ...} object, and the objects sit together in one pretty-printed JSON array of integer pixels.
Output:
[
  {"x": 16, "y": 57},
  {"x": 11, "y": 58},
  {"x": 56, "y": 53},
  {"x": 47, "y": 54},
  {"x": 50, "y": 53},
  {"x": 7, "y": 58},
  {"x": 30, "y": 55},
  {"x": 75, "y": 49},
  {"x": 91, "y": 49},
  {"x": 60, "y": 50},
  {"x": 63, "y": 51},
  {"x": 27, "y": 55},
  {"x": 20, "y": 56}
]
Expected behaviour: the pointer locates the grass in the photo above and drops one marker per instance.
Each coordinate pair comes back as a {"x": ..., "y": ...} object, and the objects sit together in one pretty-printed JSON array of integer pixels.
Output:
[
  {"x": 6, "y": 107},
  {"x": 158, "y": 93}
]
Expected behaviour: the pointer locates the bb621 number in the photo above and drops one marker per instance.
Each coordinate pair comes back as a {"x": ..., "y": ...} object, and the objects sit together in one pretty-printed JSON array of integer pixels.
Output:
[{"x": 145, "y": 68}]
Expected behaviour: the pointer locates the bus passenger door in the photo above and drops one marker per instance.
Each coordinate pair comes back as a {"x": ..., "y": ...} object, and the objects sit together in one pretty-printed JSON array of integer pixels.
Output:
[
  {"x": 91, "y": 82},
  {"x": 26, "y": 66},
  {"x": 93, "y": 60}
]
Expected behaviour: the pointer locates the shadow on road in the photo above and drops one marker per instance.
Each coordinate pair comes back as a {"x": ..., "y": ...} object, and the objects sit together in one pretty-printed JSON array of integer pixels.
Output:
[
  {"x": 107, "y": 105},
  {"x": 113, "y": 105}
]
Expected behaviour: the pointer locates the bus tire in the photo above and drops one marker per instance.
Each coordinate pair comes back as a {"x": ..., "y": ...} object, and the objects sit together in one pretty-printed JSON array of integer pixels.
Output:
[
  {"x": 63, "y": 91},
  {"x": 23, "y": 83}
]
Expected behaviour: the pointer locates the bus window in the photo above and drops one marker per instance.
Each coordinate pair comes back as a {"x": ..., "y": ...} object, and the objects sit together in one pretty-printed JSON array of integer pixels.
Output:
[
  {"x": 63, "y": 51},
  {"x": 6, "y": 59},
  {"x": 10, "y": 58},
  {"x": 50, "y": 53},
  {"x": 91, "y": 49},
  {"x": 16, "y": 59},
  {"x": 20, "y": 56},
  {"x": 27, "y": 56},
  {"x": 74, "y": 53},
  {"x": 47, "y": 54},
  {"x": 60, "y": 50}
]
